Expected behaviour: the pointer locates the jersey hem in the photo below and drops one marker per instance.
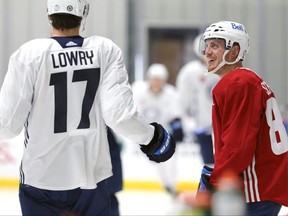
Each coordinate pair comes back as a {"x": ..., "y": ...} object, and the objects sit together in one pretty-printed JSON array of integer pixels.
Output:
[{"x": 79, "y": 185}]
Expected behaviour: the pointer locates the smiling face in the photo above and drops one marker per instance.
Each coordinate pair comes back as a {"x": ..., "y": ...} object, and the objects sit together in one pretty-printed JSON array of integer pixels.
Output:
[{"x": 214, "y": 52}]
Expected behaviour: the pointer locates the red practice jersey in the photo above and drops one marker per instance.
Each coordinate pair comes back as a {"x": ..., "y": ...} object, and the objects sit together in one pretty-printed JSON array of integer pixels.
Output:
[{"x": 249, "y": 136}]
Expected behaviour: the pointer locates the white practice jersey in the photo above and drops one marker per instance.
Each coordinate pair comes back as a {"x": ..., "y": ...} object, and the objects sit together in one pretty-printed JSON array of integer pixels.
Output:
[
  {"x": 195, "y": 90},
  {"x": 162, "y": 108},
  {"x": 65, "y": 92}
]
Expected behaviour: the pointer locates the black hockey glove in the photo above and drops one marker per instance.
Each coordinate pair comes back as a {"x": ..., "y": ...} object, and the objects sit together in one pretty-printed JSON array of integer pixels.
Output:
[
  {"x": 161, "y": 147},
  {"x": 176, "y": 129},
  {"x": 204, "y": 184}
]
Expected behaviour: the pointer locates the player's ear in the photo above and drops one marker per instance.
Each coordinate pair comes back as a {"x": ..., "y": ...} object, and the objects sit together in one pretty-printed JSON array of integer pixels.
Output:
[{"x": 235, "y": 51}]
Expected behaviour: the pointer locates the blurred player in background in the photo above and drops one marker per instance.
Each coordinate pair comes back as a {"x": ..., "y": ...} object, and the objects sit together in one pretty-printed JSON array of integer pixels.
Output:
[
  {"x": 195, "y": 90},
  {"x": 64, "y": 90},
  {"x": 158, "y": 101},
  {"x": 249, "y": 136}
]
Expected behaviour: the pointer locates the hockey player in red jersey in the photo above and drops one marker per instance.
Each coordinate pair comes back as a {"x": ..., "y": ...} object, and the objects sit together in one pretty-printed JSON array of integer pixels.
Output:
[{"x": 249, "y": 135}]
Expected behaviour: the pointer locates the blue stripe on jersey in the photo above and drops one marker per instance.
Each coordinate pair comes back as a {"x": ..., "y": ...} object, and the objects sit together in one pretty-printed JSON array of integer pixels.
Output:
[
  {"x": 26, "y": 134},
  {"x": 22, "y": 175},
  {"x": 66, "y": 42}
]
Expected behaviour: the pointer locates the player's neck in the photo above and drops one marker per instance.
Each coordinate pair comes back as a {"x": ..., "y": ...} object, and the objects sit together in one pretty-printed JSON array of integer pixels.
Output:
[
  {"x": 65, "y": 32},
  {"x": 228, "y": 68}
]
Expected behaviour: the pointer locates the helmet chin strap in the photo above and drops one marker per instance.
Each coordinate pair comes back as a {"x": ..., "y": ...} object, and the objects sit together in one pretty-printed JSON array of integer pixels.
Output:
[{"x": 222, "y": 64}]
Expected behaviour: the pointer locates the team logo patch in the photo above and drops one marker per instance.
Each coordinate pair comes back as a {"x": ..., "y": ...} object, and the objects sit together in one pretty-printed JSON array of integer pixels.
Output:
[
  {"x": 56, "y": 8},
  {"x": 69, "y": 8}
]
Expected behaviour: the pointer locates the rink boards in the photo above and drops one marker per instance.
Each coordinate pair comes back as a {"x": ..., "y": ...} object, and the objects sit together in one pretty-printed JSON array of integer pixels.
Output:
[{"x": 139, "y": 173}]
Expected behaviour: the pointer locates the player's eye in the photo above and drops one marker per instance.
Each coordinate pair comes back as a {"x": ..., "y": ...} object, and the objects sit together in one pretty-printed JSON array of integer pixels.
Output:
[{"x": 213, "y": 46}]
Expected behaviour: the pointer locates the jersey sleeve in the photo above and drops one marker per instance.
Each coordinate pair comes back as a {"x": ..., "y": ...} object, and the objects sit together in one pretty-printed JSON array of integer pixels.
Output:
[
  {"x": 15, "y": 97},
  {"x": 119, "y": 110},
  {"x": 236, "y": 124}
]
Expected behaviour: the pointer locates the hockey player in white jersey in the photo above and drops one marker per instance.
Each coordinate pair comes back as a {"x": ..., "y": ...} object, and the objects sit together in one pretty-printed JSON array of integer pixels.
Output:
[
  {"x": 195, "y": 90},
  {"x": 65, "y": 90},
  {"x": 158, "y": 101}
]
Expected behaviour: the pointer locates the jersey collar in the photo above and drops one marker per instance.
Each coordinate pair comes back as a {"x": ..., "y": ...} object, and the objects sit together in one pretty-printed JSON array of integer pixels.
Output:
[{"x": 67, "y": 42}]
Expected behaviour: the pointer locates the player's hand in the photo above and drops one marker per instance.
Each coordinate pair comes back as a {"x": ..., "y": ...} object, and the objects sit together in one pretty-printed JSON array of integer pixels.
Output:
[
  {"x": 177, "y": 131},
  {"x": 162, "y": 145},
  {"x": 204, "y": 184}
]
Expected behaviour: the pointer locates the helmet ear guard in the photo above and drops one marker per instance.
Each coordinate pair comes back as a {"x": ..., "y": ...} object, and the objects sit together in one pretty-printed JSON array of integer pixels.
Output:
[{"x": 86, "y": 10}]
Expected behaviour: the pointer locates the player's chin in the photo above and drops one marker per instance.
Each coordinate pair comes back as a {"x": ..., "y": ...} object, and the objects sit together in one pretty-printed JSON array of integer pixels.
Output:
[
  {"x": 211, "y": 65},
  {"x": 209, "y": 69}
]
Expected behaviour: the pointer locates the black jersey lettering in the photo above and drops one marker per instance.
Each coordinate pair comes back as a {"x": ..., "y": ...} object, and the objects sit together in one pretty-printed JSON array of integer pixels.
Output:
[
  {"x": 72, "y": 58},
  {"x": 59, "y": 81}
]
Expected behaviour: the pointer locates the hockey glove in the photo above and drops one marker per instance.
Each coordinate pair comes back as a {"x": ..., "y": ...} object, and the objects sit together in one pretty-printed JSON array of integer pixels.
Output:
[
  {"x": 162, "y": 145},
  {"x": 177, "y": 131},
  {"x": 204, "y": 184}
]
